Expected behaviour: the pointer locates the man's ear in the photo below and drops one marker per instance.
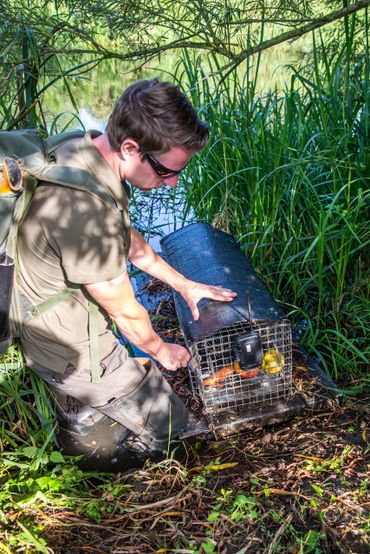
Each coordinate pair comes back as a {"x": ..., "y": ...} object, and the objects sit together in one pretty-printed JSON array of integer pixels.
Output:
[{"x": 128, "y": 148}]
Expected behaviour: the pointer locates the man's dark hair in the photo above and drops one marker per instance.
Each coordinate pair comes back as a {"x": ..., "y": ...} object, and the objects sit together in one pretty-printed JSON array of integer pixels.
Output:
[{"x": 158, "y": 116}]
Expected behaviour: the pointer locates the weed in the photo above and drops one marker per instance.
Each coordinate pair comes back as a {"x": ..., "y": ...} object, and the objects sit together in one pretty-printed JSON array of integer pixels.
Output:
[
  {"x": 237, "y": 506},
  {"x": 286, "y": 174},
  {"x": 330, "y": 465}
]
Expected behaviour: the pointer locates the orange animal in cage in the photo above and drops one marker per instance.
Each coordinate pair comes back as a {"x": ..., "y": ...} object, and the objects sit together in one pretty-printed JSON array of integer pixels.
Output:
[{"x": 219, "y": 376}]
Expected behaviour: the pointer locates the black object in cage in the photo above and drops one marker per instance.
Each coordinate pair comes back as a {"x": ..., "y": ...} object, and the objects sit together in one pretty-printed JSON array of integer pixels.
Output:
[{"x": 242, "y": 350}]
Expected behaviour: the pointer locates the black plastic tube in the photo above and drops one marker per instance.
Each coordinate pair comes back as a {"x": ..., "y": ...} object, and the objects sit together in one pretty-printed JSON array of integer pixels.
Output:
[
  {"x": 6, "y": 285},
  {"x": 208, "y": 255}
]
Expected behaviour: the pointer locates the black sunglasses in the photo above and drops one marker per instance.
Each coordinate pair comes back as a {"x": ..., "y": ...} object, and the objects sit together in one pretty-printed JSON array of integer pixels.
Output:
[{"x": 160, "y": 169}]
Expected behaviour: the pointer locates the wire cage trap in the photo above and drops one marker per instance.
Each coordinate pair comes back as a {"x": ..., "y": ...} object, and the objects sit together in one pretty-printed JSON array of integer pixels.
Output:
[
  {"x": 229, "y": 384},
  {"x": 241, "y": 351}
]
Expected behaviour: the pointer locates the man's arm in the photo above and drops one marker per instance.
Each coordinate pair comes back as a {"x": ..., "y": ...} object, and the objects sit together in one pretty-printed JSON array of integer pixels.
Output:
[
  {"x": 117, "y": 298},
  {"x": 143, "y": 256}
]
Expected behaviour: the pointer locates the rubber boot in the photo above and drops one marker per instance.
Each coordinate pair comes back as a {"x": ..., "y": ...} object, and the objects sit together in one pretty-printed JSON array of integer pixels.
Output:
[
  {"x": 153, "y": 412},
  {"x": 105, "y": 445}
]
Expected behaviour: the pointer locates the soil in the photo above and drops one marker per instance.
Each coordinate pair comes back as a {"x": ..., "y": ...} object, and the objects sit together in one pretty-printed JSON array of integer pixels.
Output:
[{"x": 295, "y": 487}]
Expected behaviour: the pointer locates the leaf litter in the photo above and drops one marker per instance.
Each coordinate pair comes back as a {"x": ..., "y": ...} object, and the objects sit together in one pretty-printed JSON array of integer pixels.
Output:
[{"x": 296, "y": 487}]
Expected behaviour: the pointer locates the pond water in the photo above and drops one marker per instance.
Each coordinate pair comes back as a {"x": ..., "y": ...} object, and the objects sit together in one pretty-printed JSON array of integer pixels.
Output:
[{"x": 97, "y": 90}]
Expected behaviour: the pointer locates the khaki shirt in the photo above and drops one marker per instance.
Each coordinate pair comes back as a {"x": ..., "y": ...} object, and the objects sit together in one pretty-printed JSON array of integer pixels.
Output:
[{"x": 70, "y": 236}]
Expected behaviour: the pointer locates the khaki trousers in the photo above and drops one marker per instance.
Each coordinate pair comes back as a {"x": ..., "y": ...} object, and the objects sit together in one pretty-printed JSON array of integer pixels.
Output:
[{"x": 131, "y": 392}]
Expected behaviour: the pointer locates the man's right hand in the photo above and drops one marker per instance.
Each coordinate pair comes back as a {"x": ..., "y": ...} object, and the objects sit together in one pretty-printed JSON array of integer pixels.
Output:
[{"x": 172, "y": 356}]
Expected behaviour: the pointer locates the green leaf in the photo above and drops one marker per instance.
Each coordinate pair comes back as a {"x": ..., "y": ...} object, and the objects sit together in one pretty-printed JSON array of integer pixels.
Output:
[
  {"x": 213, "y": 516},
  {"x": 242, "y": 500},
  {"x": 57, "y": 457},
  {"x": 237, "y": 515},
  {"x": 208, "y": 547},
  {"x": 92, "y": 509},
  {"x": 317, "y": 489},
  {"x": 30, "y": 451},
  {"x": 48, "y": 483},
  {"x": 32, "y": 499},
  {"x": 312, "y": 538}
]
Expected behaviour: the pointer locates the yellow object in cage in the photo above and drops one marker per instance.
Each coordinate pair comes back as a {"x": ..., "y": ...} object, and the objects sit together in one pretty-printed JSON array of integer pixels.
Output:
[{"x": 273, "y": 361}]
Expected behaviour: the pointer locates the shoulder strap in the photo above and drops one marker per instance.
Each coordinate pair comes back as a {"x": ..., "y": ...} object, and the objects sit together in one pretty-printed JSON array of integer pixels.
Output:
[
  {"x": 75, "y": 178},
  {"x": 53, "y": 142},
  {"x": 37, "y": 158}
]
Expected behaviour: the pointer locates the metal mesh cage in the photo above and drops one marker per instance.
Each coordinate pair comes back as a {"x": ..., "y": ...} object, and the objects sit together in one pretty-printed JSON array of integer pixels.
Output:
[
  {"x": 224, "y": 386},
  {"x": 241, "y": 350}
]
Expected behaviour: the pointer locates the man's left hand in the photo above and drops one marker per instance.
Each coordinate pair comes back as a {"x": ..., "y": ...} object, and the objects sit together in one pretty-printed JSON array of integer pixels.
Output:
[{"x": 192, "y": 292}]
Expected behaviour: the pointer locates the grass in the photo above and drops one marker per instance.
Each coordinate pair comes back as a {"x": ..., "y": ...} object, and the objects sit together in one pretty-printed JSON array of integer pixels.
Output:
[
  {"x": 300, "y": 487},
  {"x": 288, "y": 175}
]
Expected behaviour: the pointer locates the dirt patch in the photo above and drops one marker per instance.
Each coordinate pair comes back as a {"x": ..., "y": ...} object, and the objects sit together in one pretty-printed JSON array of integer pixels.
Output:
[{"x": 297, "y": 487}]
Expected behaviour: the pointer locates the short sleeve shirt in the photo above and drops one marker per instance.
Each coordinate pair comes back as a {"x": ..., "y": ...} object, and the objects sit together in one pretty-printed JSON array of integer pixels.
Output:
[{"x": 71, "y": 236}]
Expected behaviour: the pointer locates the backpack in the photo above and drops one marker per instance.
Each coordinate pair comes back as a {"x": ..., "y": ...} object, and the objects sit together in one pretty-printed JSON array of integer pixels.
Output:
[{"x": 25, "y": 160}]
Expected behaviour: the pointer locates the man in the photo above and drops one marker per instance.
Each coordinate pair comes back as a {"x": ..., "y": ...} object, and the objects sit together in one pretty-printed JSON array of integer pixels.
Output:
[{"x": 70, "y": 236}]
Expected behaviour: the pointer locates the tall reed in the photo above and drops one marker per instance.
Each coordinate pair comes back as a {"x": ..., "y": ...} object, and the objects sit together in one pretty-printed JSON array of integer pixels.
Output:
[{"x": 288, "y": 174}]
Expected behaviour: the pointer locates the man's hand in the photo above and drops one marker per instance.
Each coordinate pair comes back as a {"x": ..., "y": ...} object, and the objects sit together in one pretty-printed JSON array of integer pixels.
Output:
[
  {"x": 117, "y": 298},
  {"x": 172, "y": 356},
  {"x": 192, "y": 292},
  {"x": 143, "y": 256}
]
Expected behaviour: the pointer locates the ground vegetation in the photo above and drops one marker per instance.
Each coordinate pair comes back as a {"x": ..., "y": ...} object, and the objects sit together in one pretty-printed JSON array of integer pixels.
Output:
[{"x": 288, "y": 174}]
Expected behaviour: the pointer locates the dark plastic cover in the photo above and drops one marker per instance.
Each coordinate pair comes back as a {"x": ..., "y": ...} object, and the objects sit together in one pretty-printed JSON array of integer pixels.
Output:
[
  {"x": 208, "y": 255},
  {"x": 6, "y": 285}
]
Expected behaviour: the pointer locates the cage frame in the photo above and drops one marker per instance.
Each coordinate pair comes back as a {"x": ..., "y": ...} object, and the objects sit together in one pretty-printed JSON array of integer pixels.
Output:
[{"x": 236, "y": 396}]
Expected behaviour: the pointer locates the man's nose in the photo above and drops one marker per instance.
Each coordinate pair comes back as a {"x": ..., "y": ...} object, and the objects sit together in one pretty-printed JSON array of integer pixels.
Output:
[{"x": 172, "y": 181}]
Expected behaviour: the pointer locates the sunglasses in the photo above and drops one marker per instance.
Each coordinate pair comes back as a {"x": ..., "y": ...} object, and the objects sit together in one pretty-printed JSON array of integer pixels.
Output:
[{"x": 160, "y": 169}]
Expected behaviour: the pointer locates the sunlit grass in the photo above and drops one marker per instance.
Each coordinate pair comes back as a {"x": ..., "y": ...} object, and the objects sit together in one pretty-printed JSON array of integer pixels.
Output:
[{"x": 288, "y": 175}]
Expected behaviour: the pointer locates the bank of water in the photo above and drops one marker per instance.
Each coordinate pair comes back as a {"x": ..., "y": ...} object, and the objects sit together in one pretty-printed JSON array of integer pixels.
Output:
[{"x": 98, "y": 89}]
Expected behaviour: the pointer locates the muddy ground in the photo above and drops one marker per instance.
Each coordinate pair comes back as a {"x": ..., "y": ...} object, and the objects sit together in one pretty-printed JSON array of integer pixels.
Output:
[{"x": 295, "y": 487}]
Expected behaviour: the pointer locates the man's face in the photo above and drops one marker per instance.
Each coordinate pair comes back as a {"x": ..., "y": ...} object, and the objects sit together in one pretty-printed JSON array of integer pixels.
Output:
[{"x": 143, "y": 176}]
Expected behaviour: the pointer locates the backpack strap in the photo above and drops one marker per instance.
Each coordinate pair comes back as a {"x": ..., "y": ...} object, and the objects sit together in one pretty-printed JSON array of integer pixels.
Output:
[
  {"x": 78, "y": 179},
  {"x": 52, "y": 142},
  {"x": 94, "y": 342},
  {"x": 38, "y": 164},
  {"x": 52, "y": 301},
  {"x": 29, "y": 186},
  {"x": 83, "y": 180}
]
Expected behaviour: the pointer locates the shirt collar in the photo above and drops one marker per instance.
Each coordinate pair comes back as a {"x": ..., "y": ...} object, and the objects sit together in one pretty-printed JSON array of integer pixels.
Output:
[{"x": 102, "y": 170}]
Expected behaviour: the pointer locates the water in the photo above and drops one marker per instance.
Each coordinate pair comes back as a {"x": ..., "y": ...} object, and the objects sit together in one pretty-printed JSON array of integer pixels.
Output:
[
  {"x": 159, "y": 213},
  {"x": 89, "y": 121},
  {"x": 96, "y": 91}
]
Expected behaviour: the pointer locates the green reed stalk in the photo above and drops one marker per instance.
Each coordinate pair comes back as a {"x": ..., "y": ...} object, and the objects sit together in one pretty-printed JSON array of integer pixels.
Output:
[
  {"x": 26, "y": 409},
  {"x": 288, "y": 174}
]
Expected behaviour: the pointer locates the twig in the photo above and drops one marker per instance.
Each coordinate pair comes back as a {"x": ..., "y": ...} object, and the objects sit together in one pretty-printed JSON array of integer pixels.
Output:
[{"x": 279, "y": 532}]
